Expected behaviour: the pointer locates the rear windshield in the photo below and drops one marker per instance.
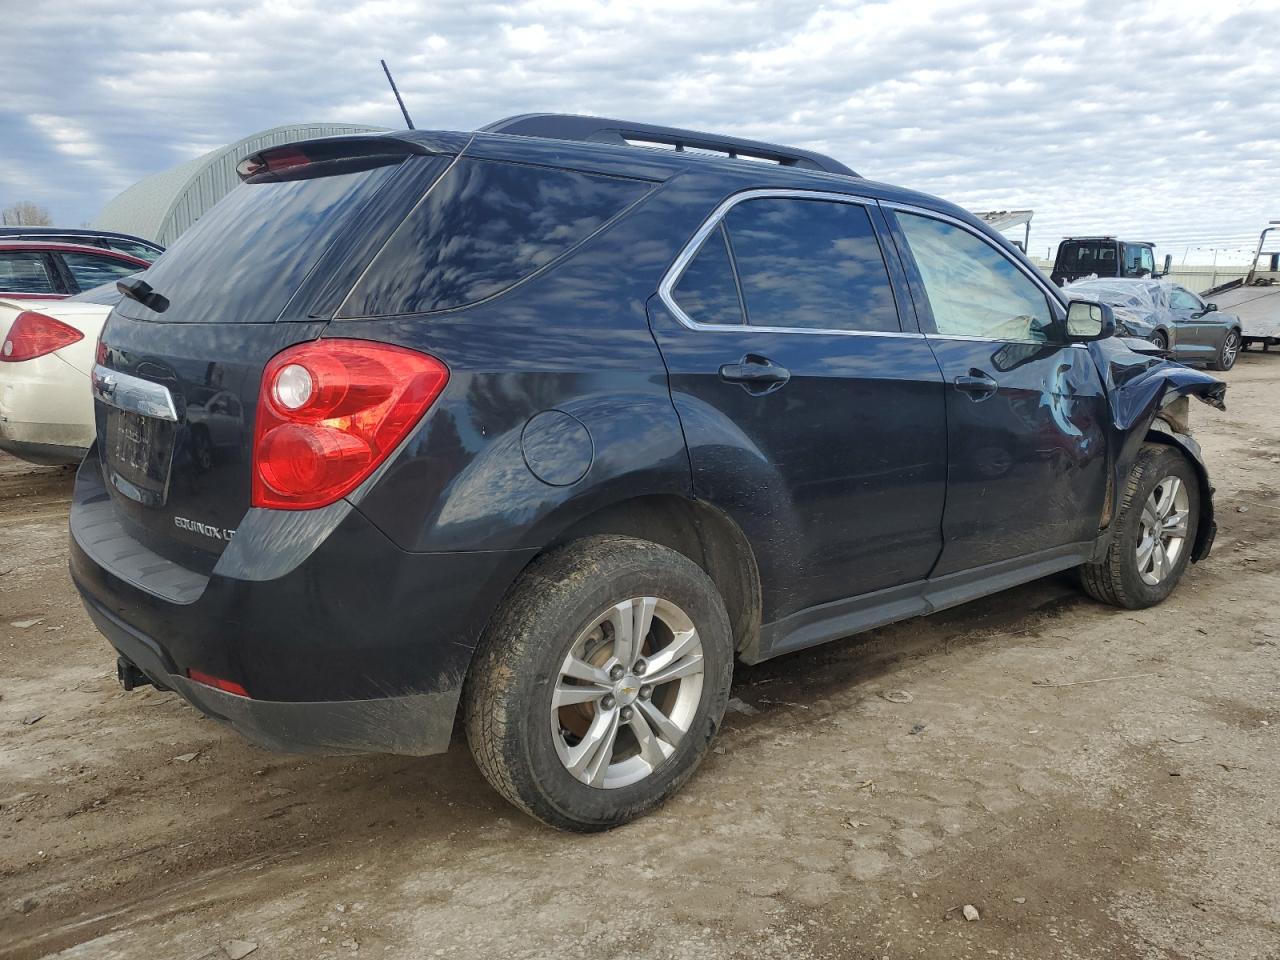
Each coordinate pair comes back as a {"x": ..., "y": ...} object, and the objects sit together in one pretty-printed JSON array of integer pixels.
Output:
[
  {"x": 1088, "y": 256},
  {"x": 244, "y": 259},
  {"x": 483, "y": 227}
]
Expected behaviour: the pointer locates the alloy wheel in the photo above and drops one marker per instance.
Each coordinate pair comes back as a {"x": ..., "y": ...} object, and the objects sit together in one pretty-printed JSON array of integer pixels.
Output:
[
  {"x": 1230, "y": 347},
  {"x": 1162, "y": 532},
  {"x": 627, "y": 692}
]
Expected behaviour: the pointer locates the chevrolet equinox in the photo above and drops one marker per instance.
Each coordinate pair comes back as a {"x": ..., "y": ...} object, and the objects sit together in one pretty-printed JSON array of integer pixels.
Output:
[{"x": 540, "y": 429}]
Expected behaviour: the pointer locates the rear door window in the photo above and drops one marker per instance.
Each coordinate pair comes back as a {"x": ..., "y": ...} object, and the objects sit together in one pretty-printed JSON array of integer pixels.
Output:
[
  {"x": 25, "y": 271},
  {"x": 974, "y": 290},
  {"x": 707, "y": 291},
  {"x": 810, "y": 264},
  {"x": 91, "y": 270},
  {"x": 483, "y": 227}
]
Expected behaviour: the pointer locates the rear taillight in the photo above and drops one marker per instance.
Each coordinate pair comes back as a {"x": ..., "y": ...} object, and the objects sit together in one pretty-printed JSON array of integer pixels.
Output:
[
  {"x": 329, "y": 412},
  {"x": 34, "y": 334}
]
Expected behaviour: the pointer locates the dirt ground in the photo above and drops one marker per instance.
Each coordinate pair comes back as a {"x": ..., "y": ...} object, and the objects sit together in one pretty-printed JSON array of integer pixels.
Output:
[{"x": 1133, "y": 817}]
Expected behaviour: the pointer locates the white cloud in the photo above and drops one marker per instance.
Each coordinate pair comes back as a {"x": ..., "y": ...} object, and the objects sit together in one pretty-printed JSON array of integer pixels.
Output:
[{"x": 1158, "y": 121}]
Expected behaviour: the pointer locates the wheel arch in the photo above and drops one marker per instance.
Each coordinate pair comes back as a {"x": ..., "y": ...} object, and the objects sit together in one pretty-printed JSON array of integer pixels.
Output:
[
  {"x": 695, "y": 529},
  {"x": 1206, "y": 526}
]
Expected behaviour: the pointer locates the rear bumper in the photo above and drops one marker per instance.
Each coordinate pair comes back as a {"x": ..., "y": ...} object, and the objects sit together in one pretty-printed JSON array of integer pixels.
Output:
[
  {"x": 360, "y": 646},
  {"x": 46, "y": 411},
  {"x": 48, "y": 454},
  {"x": 414, "y": 724}
]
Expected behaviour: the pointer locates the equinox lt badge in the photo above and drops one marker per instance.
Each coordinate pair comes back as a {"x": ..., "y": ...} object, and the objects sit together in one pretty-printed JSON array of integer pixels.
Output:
[{"x": 204, "y": 529}]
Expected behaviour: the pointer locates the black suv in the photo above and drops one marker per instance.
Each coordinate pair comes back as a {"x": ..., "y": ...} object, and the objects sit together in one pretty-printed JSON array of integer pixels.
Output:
[{"x": 542, "y": 427}]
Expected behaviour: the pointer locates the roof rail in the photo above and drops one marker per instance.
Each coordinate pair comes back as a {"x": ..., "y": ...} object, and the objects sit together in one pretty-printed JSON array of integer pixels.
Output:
[{"x": 565, "y": 126}]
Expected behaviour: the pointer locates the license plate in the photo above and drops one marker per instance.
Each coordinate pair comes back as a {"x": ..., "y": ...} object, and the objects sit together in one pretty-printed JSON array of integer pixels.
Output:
[{"x": 140, "y": 453}]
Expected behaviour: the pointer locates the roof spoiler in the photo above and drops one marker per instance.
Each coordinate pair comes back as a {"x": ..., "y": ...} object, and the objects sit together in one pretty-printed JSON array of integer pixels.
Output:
[
  {"x": 326, "y": 155},
  {"x": 564, "y": 126}
]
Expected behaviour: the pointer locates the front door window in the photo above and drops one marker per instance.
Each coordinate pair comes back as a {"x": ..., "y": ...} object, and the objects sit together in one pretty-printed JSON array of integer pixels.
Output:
[{"x": 973, "y": 290}]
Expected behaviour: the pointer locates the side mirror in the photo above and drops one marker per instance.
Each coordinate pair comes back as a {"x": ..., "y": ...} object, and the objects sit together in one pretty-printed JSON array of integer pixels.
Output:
[
  {"x": 1210, "y": 308},
  {"x": 1168, "y": 265},
  {"x": 1089, "y": 321}
]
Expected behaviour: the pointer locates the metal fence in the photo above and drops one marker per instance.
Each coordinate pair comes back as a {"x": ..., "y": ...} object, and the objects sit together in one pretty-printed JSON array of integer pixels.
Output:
[{"x": 1198, "y": 278}]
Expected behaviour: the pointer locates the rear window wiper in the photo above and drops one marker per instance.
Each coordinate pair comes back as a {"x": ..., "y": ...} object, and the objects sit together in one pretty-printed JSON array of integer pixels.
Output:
[{"x": 138, "y": 289}]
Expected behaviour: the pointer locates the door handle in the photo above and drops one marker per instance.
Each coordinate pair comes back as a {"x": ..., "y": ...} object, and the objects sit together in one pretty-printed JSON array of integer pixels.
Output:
[
  {"x": 977, "y": 384},
  {"x": 756, "y": 374}
]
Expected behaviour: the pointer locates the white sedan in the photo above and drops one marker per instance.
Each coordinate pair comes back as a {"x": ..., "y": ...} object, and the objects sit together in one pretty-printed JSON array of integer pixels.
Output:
[{"x": 46, "y": 356}]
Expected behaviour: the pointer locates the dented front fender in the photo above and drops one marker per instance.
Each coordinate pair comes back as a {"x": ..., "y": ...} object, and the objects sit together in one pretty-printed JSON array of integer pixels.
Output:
[
  {"x": 1138, "y": 384},
  {"x": 1147, "y": 396}
]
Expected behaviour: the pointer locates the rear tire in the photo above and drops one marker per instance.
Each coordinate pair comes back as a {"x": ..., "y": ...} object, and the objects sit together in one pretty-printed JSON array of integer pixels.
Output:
[
  {"x": 1161, "y": 503},
  {"x": 1227, "y": 353},
  {"x": 557, "y": 673}
]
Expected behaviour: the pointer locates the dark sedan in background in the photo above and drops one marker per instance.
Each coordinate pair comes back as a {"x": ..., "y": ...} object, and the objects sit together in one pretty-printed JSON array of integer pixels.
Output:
[{"x": 1169, "y": 316}]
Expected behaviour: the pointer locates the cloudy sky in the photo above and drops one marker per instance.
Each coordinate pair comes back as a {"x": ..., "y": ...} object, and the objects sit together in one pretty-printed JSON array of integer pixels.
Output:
[{"x": 1155, "y": 120}]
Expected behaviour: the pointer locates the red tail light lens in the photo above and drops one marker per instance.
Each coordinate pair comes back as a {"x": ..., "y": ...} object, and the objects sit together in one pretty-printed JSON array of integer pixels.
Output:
[
  {"x": 329, "y": 412},
  {"x": 34, "y": 334}
]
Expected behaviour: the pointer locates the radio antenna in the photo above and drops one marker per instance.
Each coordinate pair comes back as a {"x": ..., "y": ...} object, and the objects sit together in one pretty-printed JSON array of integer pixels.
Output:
[{"x": 387, "y": 71}]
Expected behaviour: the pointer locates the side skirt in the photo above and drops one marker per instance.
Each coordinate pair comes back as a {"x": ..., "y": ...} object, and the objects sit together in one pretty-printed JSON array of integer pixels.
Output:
[{"x": 844, "y": 618}]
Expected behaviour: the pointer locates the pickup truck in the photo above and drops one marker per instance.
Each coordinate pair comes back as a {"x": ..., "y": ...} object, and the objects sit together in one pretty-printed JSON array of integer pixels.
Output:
[{"x": 1104, "y": 257}]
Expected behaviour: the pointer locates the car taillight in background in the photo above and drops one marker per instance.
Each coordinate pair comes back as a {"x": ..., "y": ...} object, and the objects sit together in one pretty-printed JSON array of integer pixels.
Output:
[
  {"x": 34, "y": 334},
  {"x": 329, "y": 412}
]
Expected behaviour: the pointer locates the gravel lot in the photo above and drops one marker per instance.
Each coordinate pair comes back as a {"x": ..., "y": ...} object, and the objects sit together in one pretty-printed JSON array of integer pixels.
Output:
[{"x": 1134, "y": 817}]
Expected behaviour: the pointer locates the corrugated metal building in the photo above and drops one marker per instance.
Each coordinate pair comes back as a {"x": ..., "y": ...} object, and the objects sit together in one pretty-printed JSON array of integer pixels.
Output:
[{"x": 165, "y": 204}]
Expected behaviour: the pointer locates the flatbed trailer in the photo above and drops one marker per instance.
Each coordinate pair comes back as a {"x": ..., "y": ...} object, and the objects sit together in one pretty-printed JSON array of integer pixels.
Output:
[{"x": 1255, "y": 298}]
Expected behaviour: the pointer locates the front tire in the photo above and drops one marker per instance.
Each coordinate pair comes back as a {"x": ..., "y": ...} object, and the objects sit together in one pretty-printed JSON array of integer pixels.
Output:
[
  {"x": 1155, "y": 530},
  {"x": 1227, "y": 353},
  {"x": 1160, "y": 341},
  {"x": 600, "y": 682}
]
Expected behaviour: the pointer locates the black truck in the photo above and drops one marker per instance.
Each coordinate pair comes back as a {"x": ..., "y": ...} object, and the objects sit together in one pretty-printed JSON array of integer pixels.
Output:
[{"x": 1105, "y": 257}]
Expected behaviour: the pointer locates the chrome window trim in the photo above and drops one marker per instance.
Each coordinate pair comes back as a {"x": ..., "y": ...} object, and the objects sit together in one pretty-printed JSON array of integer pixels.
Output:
[
  {"x": 970, "y": 339},
  {"x": 133, "y": 394},
  {"x": 672, "y": 276}
]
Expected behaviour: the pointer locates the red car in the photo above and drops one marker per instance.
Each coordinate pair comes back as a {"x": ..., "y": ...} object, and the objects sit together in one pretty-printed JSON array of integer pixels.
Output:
[{"x": 46, "y": 270}]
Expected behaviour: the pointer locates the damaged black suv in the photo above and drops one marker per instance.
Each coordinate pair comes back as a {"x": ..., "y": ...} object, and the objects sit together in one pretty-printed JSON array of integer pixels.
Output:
[{"x": 543, "y": 428}]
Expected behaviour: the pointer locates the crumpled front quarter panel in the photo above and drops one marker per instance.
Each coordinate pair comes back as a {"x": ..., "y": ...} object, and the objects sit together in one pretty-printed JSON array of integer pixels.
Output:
[{"x": 1138, "y": 386}]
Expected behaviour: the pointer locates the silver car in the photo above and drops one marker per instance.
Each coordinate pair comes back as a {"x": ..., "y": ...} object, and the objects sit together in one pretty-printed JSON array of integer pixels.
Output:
[{"x": 1168, "y": 315}]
